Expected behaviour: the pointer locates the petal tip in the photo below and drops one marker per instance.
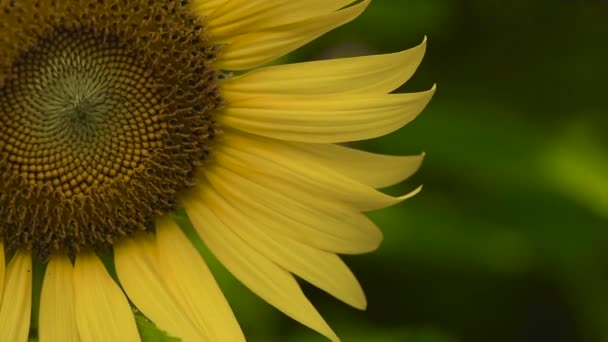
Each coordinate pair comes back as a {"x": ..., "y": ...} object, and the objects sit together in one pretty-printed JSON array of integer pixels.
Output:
[{"x": 410, "y": 194}]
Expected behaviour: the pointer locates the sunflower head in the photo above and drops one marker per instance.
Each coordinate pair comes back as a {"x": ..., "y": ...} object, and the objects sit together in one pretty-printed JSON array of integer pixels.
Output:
[
  {"x": 105, "y": 109},
  {"x": 114, "y": 114}
]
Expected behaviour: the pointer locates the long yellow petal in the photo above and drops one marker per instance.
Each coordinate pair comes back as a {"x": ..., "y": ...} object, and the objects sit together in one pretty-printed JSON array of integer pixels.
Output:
[
  {"x": 376, "y": 170},
  {"x": 379, "y": 74},
  {"x": 262, "y": 276},
  {"x": 304, "y": 216},
  {"x": 1, "y": 269},
  {"x": 324, "y": 119},
  {"x": 295, "y": 168},
  {"x": 322, "y": 269},
  {"x": 17, "y": 299},
  {"x": 137, "y": 263},
  {"x": 234, "y": 17},
  {"x": 193, "y": 285},
  {"x": 102, "y": 310},
  {"x": 256, "y": 48},
  {"x": 57, "y": 322},
  {"x": 372, "y": 169}
]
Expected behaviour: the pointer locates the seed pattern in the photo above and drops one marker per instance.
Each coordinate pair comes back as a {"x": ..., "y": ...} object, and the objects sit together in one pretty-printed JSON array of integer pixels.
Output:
[{"x": 105, "y": 112}]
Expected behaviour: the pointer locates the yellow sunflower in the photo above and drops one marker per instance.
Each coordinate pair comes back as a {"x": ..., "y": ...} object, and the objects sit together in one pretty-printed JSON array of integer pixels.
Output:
[{"x": 114, "y": 114}]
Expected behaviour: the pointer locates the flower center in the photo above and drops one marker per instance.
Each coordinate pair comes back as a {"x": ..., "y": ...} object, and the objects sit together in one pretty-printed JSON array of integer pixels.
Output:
[
  {"x": 76, "y": 113},
  {"x": 105, "y": 112}
]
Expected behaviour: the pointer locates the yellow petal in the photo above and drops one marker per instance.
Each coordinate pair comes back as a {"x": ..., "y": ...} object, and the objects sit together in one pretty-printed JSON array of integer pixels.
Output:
[
  {"x": 1, "y": 268},
  {"x": 322, "y": 269},
  {"x": 311, "y": 219},
  {"x": 17, "y": 299},
  {"x": 193, "y": 285},
  {"x": 102, "y": 310},
  {"x": 206, "y": 8},
  {"x": 372, "y": 169},
  {"x": 256, "y": 48},
  {"x": 262, "y": 276},
  {"x": 234, "y": 17},
  {"x": 323, "y": 118},
  {"x": 378, "y": 74},
  {"x": 290, "y": 168},
  {"x": 57, "y": 322},
  {"x": 137, "y": 262}
]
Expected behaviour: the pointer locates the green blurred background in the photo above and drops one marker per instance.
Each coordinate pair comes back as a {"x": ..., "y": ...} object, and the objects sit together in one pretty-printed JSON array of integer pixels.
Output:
[{"x": 509, "y": 239}]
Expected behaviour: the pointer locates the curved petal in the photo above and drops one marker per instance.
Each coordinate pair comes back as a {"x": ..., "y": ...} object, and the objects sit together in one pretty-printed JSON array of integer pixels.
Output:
[
  {"x": 295, "y": 168},
  {"x": 57, "y": 322},
  {"x": 327, "y": 225},
  {"x": 16, "y": 304},
  {"x": 324, "y": 119},
  {"x": 379, "y": 74},
  {"x": 237, "y": 16},
  {"x": 255, "y": 48},
  {"x": 102, "y": 310},
  {"x": 137, "y": 262},
  {"x": 193, "y": 285},
  {"x": 322, "y": 269},
  {"x": 375, "y": 170},
  {"x": 262, "y": 276}
]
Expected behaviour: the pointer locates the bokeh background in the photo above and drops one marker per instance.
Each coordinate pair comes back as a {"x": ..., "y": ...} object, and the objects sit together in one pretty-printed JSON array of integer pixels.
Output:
[{"x": 509, "y": 239}]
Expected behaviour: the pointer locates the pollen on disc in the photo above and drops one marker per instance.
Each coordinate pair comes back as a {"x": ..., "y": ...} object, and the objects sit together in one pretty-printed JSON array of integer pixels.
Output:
[{"x": 105, "y": 113}]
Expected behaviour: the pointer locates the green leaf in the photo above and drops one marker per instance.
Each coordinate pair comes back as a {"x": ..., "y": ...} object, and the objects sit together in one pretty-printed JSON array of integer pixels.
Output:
[{"x": 150, "y": 333}]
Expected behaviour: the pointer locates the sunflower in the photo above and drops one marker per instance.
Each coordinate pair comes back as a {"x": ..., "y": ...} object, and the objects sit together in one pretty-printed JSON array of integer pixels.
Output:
[{"x": 116, "y": 114}]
